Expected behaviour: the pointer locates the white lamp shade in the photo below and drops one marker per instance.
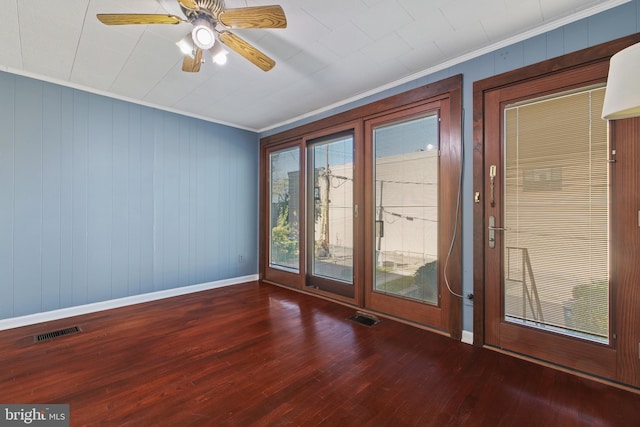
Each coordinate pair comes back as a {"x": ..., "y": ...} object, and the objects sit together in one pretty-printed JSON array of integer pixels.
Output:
[
  {"x": 218, "y": 54},
  {"x": 622, "y": 96},
  {"x": 186, "y": 45}
]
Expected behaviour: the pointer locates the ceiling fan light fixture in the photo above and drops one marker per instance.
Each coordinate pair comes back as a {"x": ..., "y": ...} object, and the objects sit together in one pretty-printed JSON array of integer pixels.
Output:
[
  {"x": 220, "y": 58},
  {"x": 211, "y": 22},
  {"x": 186, "y": 45},
  {"x": 218, "y": 54},
  {"x": 203, "y": 34}
]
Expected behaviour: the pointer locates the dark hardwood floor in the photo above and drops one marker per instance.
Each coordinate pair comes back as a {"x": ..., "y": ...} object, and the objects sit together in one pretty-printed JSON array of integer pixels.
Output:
[{"x": 256, "y": 354}]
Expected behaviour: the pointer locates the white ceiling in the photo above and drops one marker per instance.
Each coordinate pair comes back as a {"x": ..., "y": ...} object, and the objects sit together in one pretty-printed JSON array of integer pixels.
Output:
[{"x": 332, "y": 50}]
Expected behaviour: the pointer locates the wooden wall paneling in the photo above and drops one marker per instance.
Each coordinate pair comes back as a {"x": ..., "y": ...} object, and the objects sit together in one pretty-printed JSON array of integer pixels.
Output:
[
  {"x": 51, "y": 196},
  {"x": 211, "y": 197},
  {"x": 185, "y": 235},
  {"x": 135, "y": 196},
  {"x": 7, "y": 192},
  {"x": 247, "y": 177},
  {"x": 99, "y": 199},
  {"x": 66, "y": 198},
  {"x": 158, "y": 201},
  {"x": 202, "y": 204},
  {"x": 104, "y": 199},
  {"x": 192, "y": 215},
  {"x": 120, "y": 250},
  {"x": 219, "y": 209},
  {"x": 170, "y": 181},
  {"x": 80, "y": 189},
  {"x": 27, "y": 203},
  {"x": 146, "y": 198}
]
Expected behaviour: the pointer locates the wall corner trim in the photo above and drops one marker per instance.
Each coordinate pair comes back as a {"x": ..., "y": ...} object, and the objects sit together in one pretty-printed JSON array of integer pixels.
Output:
[{"x": 16, "y": 322}]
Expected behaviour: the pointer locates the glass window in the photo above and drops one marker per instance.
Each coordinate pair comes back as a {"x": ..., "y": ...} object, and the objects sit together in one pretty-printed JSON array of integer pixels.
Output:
[
  {"x": 284, "y": 248},
  {"x": 331, "y": 210},
  {"x": 406, "y": 209}
]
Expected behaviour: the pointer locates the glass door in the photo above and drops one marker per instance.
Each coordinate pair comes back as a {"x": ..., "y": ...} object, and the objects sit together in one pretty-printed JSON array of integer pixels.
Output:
[
  {"x": 284, "y": 213},
  {"x": 547, "y": 251},
  {"x": 283, "y": 210},
  {"x": 406, "y": 209},
  {"x": 407, "y": 273},
  {"x": 330, "y": 214}
]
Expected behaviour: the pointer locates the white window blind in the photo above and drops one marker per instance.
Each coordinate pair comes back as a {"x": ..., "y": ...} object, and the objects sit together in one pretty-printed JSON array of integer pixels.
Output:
[{"x": 556, "y": 214}]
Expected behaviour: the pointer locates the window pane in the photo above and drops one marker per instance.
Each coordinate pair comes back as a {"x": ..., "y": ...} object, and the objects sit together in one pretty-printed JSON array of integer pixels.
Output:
[
  {"x": 332, "y": 208},
  {"x": 406, "y": 209},
  {"x": 556, "y": 215},
  {"x": 284, "y": 219}
]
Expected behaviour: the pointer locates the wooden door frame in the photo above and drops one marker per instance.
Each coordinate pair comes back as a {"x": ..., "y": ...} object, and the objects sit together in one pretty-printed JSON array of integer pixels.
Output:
[{"x": 599, "y": 53}]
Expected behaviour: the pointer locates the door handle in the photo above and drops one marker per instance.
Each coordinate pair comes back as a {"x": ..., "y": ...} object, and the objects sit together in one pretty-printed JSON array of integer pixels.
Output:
[{"x": 492, "y": 231}]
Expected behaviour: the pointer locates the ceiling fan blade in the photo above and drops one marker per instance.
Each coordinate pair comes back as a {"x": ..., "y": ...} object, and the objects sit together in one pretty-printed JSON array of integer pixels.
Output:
[
  {"x": 254, "y": 17},
  {"x": 189, "y": 4},
  {"x": 137, "y": 18},
  {"x": 191, "y": 64},
  {"x": 243, "y": 48}
]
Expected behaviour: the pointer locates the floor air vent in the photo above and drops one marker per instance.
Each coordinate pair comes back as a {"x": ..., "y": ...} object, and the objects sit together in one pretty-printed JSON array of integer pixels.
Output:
[
  {"x": 55, "y": 334},
  {"x": 365, "y": 318}
]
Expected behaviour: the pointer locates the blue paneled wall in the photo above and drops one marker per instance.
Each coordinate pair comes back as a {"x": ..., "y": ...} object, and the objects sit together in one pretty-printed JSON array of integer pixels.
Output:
[
  {"x": 101, "y": 199},
  {"x": 605, "y": 26}
]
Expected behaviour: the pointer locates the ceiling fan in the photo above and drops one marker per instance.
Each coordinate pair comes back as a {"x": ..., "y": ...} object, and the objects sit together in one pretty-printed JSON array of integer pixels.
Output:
[{"x": 211, "y": 22}]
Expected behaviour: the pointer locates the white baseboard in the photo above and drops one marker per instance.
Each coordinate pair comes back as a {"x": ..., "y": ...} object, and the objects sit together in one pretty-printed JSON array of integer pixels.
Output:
[
  {"x": 16, "y": 322},
  {"x": 467, "y": 337}
]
